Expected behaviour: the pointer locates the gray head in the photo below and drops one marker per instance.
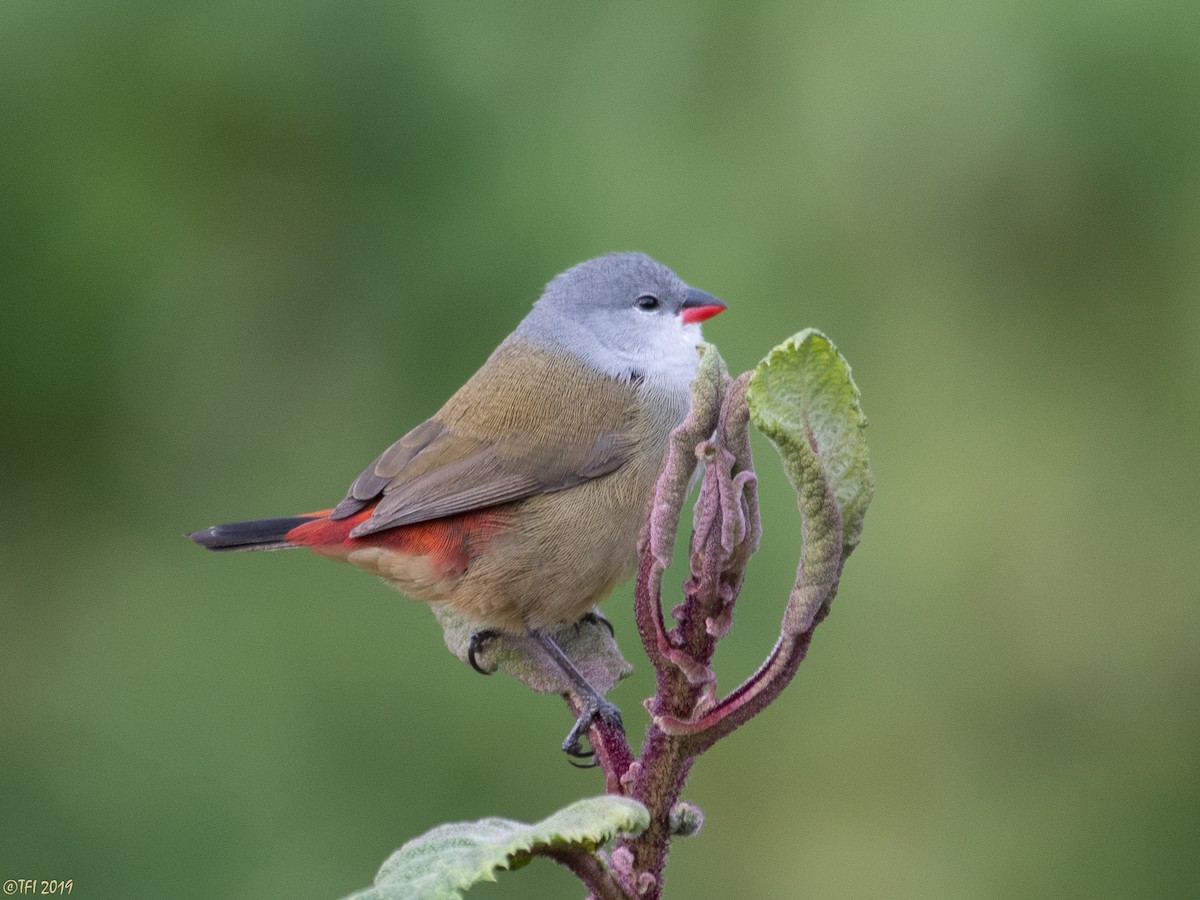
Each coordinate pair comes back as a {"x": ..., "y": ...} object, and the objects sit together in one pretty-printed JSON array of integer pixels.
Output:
[{"x": 622, "y": 311}]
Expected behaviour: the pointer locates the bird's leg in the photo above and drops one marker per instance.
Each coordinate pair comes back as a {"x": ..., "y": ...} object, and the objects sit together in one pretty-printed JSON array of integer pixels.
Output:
[
  {"x": 475, "y": 644},
  {"x": 591, "y": 703}
]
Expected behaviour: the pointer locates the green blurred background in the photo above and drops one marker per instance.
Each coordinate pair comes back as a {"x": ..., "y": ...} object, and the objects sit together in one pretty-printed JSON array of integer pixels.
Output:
[{"x": 243, "y": 246}]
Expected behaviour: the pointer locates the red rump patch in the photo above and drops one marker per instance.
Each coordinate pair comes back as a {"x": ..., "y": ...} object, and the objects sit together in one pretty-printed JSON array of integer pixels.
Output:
[{"x": 449, "y": 543}]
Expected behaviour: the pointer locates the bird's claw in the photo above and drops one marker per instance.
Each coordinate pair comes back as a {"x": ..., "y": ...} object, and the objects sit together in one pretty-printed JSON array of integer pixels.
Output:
[
  {"x": 573, "y": 743},
  {"x": 476, "y": 643},
  {"x": 596, "y": 619},
  {"x": 589, "y": 755}
]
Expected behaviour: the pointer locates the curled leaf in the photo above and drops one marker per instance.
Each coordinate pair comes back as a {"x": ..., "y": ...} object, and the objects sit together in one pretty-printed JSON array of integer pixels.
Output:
[
  {"x": 675, "y": 478},
  {"x": 804, "y": 400},
  {"x": 657, "y": 543}
]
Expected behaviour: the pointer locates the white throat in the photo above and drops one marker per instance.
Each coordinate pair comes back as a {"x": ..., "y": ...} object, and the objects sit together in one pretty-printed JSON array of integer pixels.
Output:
[{"x": 664, "y": 359}]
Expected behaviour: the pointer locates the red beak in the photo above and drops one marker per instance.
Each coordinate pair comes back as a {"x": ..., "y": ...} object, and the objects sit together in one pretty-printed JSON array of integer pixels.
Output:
[{"x": 700, "y": 305}]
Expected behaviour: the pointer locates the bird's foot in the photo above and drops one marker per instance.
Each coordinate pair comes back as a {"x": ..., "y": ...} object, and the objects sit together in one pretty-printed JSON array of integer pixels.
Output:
[
  {"x": 592, "y": 705},
  {"x": 476, "y": 643},
  {"x": 590, "y": 711}
]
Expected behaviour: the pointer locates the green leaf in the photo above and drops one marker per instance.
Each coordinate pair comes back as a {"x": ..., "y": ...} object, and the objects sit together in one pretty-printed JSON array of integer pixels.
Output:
[
  {"x": 803, "y": 398},
  {"x": 442, "y": 863}
]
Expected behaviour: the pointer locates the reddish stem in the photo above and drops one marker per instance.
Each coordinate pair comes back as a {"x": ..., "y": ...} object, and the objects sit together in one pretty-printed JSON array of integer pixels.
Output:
[
  {"x": 612, "y": 753},
  {"x": 591, "y": 871},
  {"x": 686, "y": 718},
  {"x": 647, "y": 611},
  {"x": 751, "y": 698}
]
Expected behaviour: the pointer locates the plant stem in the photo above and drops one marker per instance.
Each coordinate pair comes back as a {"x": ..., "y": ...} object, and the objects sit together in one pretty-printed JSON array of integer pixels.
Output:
[
  {"x": 589, "y": 869},
  {"x": 751, "y": 698},
  {"x": 612, "y": 753}
]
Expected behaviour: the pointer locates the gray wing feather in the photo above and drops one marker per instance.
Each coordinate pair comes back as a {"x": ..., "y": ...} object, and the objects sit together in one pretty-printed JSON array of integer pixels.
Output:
[
  {"x": 482, "y": 480},
  {"x": 486, "y": 477},
  {"x": 376, "y": 477},
  {"x": 475, "y": 453}
]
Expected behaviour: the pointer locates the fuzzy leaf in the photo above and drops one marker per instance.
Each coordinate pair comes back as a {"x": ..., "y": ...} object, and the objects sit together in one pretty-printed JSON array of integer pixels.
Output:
[
  {"x": 442, "y": 863},
  {"x": 589, "y": 644},
  {"x": 803, "y": 398}
]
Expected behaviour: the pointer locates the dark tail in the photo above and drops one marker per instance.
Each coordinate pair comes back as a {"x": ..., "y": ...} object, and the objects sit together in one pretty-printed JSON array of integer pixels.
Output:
[{"x": 257, "y": 534}]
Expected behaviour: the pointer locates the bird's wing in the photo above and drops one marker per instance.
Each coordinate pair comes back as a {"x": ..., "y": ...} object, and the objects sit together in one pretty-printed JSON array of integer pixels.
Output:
[{"x": 519, "y": 427}]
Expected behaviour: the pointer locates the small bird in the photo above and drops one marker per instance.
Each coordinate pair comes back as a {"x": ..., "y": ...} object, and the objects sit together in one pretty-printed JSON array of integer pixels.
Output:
[{"x": 520, "y": 501}]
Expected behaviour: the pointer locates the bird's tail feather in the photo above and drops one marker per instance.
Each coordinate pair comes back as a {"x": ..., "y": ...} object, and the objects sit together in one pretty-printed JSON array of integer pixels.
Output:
[{"x": 255, "y": 534}]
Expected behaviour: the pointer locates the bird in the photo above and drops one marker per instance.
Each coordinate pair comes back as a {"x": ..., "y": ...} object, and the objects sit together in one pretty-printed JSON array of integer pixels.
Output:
[{"x": 520, "y": 501}]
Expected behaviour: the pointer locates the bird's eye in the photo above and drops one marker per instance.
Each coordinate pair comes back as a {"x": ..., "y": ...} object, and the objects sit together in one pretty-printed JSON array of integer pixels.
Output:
[{"x": 647, "y": 302}]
